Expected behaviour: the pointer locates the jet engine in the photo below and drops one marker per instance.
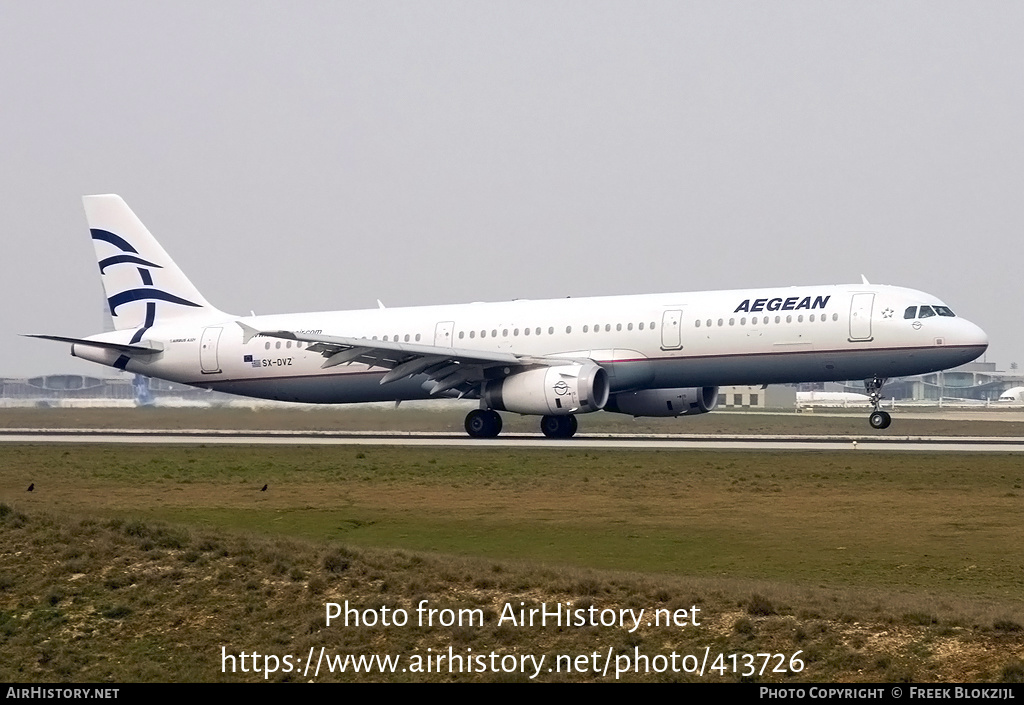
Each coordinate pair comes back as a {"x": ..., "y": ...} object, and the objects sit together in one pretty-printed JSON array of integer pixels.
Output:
[
  {"x": 551, "y": 391},
  {"x": 685, "y": 401}
]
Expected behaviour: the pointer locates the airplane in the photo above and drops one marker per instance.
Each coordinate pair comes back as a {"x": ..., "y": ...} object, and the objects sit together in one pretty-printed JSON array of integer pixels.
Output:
[
  {"x": 642, "y": 355},
  {"x": 1014, "y": 395}
]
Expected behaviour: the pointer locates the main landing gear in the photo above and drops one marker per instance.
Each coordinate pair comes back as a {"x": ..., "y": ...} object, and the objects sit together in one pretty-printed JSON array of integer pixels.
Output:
[
  {"x": 878, "y": 419},
  {"x": 559, "y": 426},
  {"x": 485, "y": 423}
]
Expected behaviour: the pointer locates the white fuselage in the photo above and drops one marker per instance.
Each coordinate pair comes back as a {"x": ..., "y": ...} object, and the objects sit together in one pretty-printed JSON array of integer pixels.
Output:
[{"x": 657, "y": 341}]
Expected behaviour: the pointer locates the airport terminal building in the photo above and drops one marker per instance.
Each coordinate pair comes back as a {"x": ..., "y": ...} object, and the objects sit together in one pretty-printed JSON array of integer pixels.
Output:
[{"x": 976, "y": 382}]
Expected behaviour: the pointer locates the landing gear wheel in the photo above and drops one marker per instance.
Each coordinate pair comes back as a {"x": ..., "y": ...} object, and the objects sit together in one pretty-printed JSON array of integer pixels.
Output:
[
  {"x": 559, "y": 426},
  {"x": 879, "y": 419},
  {"x": 483, "y": 423},
  {"x": 495, "y": 424}
]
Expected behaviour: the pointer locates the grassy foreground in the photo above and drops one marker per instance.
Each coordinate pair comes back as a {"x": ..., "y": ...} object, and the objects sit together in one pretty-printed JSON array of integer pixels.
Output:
[{"x": 153, "y": 563}]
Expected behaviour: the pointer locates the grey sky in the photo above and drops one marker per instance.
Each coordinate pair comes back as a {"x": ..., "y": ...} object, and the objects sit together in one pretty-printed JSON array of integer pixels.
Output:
[{"x": 317, "y": 156}]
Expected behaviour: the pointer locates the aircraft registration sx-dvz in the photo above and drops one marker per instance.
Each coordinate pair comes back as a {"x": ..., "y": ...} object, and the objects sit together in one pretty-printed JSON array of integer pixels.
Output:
[{"x": 642, "y": 355}]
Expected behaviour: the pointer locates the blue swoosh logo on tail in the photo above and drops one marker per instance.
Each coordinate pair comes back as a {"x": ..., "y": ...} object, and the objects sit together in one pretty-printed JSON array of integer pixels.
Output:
[{"x": 145, "y": 295}]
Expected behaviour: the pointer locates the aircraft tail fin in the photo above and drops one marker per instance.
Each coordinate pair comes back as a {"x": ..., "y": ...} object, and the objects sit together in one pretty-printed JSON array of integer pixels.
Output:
[{"x": 142, "y": 283}]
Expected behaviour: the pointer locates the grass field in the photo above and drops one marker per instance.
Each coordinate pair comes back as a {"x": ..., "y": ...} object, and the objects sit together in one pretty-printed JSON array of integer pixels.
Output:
[{"x": 873, "y": 566}]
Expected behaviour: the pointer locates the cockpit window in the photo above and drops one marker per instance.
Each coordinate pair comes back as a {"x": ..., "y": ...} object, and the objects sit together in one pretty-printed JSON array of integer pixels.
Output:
[{"x": 927, "y": 312}]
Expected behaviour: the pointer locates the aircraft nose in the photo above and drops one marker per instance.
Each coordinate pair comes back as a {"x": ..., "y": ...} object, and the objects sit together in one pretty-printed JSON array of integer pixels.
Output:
[{"x": 973, "y": 336}]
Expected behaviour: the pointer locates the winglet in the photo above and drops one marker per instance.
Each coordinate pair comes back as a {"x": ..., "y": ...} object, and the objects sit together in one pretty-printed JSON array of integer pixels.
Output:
[{"x": 864, "y": 280}]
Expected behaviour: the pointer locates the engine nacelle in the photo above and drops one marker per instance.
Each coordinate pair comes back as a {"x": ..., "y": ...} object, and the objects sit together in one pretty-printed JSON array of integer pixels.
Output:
[
  {"x": 554, "y": 391},
  {"x": 686, "y": 401}
]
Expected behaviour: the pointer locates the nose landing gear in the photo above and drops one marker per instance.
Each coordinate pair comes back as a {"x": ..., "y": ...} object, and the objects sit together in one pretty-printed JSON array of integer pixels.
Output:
[{"x": 879, "y": 419}]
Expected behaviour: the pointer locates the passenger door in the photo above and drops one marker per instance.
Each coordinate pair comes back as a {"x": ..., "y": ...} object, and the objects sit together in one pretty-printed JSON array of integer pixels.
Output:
[
  {"x": 860, "y": 317},
  {"x": 208, "y": 350},
  {"x": 671, "y": 333}
]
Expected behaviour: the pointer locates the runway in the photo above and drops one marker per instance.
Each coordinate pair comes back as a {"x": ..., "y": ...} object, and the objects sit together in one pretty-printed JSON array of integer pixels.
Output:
[{"x": 946, "y": 444}]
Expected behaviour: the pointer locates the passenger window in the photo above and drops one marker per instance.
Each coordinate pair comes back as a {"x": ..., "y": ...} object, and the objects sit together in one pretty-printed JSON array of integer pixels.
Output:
[
  {"x": 697, "y": 323},
  {"x": 462, "y": 334},
  {"x": 925, "y": 312},
  {"x": 568, "y": 329},
  {"x": 911, "y": 312},
  {"x": 586, "y": 329},
  {"x": 642, "y": 326}
]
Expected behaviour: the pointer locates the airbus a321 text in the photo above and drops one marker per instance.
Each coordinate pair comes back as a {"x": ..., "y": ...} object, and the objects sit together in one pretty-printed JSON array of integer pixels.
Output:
[{"x": 644, "y": 355}]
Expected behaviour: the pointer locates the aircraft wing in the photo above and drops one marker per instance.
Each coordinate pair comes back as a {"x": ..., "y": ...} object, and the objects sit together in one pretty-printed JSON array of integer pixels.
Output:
[{"x": 450, "y": 368}]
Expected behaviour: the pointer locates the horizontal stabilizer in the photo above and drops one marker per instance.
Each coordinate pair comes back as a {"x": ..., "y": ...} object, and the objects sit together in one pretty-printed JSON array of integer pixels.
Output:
[{"x": 134, "y": 349}]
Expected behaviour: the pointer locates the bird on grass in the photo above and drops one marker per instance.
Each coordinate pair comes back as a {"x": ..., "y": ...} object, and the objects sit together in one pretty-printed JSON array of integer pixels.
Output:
[
  {"x": 31, "y": 487},
  {"x": 264, "y": 488}
]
